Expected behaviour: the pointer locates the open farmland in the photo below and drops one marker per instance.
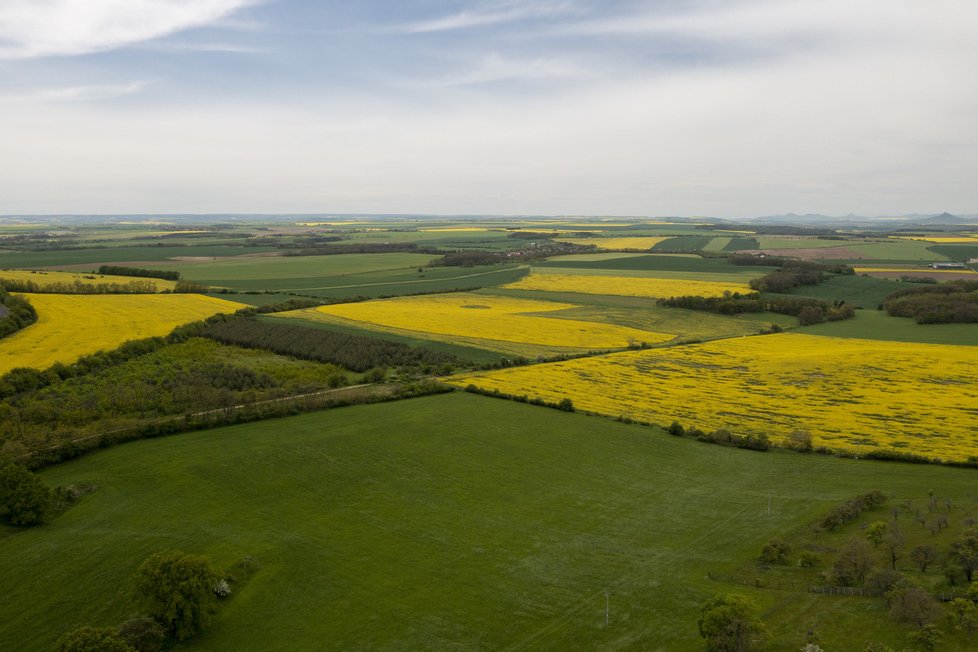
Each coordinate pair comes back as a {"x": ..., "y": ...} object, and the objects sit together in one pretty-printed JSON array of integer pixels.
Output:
[
  {"x": 637, "y": 243},
  {"x": 70, "y": 326},
  {"x": 630, "y": 286},
  {"x": 47, "y": 278},
  {"x": 853, "y": 395},
  {"x": 516, "y": 326},
  {"x": 342, "y": 275},
  {"x": 473, "y": 524}
]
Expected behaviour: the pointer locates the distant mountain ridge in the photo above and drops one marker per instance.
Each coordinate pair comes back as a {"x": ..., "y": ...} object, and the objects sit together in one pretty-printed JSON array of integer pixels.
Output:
[{"x": 901, "y": 221}]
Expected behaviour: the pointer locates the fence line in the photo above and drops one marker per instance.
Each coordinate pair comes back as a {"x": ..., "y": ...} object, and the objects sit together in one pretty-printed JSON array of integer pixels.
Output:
[{"x": 847, "y": 591}]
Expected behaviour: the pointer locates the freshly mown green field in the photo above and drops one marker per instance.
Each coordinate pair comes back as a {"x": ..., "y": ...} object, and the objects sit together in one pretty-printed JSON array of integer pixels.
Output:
[{"x": 450, "y": 522}]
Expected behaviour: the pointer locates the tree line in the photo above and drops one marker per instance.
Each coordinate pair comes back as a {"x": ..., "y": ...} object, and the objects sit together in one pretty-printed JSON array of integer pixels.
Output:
[
  {"x": 357, "y": 352},
  {"x": 807, "y": 309},
  {"x": 77, "y": 287},
  {"x": 116, "y": 270},
  {"x": 794, "y": 273},
  {"x": 944, "y": 303},
  {"x": 15, "y": 313}
]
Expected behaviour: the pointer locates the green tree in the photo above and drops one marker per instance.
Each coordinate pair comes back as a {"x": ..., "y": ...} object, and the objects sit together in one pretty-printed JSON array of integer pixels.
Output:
[
  {"x": 178, "y": 589},
  {"x": 912, "y": 604},
  {"x": 775, "y": 552},
  {"x": 924, "y": 556},
  {"x": 730, "y": 623},
  {"x": 853, "y": 563},
  {"x": 143, "y": 633},
  {"x": 875, "y": 532},
  {"x": 24, "y": 497},
  {"x": 965, "y": 553},
  {"x": 926, "y": 636},
  {"x": 91, "y": 639},
  {"x": 965, "y": 615}
]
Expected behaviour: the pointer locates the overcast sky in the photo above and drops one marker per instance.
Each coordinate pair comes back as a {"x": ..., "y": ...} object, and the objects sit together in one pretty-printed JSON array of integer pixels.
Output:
[{"x": 729, "y": 108}]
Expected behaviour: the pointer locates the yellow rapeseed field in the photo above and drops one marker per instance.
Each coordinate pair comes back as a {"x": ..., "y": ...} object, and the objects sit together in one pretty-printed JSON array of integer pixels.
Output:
[
  {"x": 638, "y": 243},
  {"x": 72, "y": 325},
  {"x": 46, "y": 278},
  {"x": 940, "y": 239},
  {"x": 628, "y": 286},
  {"x": 465, "y": 318},
  {"x": 851, "y": 394}
]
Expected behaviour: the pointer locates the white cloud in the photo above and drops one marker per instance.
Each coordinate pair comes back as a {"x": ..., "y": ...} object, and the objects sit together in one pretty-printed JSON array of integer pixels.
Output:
[
  {"x": 37, "y": 28},
  {"x": 495, "y": 67},
  {"x": 485, "y": 15},
  {"x": 88, "y": 93}
]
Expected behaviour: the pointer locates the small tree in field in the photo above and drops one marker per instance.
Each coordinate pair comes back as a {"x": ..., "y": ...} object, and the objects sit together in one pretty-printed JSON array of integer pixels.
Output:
[
  {"x": 730, "y": 623},
  {"x": 91, "y": 639},
  {"x": 178, "y": 589},
  {"x": 24, "y": 497}
]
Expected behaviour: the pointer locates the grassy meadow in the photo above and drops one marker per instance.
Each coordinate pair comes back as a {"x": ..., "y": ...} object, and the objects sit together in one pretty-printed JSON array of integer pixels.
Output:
[{"x": 474, "y": 524}]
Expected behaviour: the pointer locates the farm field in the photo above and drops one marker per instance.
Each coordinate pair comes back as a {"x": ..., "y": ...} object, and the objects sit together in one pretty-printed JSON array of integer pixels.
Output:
[
  {"x": 70, "y": 326},
  {"x": 511, "y": 325},
  {"x": 877, "y": 325},
  {"x": 632, "y": 286},
  {"x": 467, "y": 527},
  {"x": 46, "y": 278},
  {"x": 851, "y": 394},
  {"x": 689, "y": 263},
  {"x": 637, "y": 243},
  {"x": 863, "y": 291},
  {"x": 341, "y": 275},
  {"x": 89, "y": 259}
]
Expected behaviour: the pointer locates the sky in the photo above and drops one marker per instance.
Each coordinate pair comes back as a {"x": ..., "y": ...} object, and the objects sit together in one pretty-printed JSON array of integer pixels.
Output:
[{"x": 725, "y": 108}]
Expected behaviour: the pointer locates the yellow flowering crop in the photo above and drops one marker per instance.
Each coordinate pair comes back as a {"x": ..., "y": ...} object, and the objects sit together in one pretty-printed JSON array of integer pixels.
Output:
[
  {"x": 72, "y": 325},
  {"x": 641, "y": 243},
  {"x": 45, "y": 278},
  {"x": 940, "y": 239},
  {"x": 487, "y": 321},
  {"x": 629, "y": 286},
  {"x": 851, "y": 394}
]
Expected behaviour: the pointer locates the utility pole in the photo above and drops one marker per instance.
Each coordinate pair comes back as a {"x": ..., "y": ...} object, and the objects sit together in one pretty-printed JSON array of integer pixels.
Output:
[
  {"x": 769, "y": 503},
  {"x": 607, "y": 606}
]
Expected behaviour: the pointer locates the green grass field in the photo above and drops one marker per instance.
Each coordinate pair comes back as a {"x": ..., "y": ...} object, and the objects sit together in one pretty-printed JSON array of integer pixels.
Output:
[
  {"x": 665, "y": 263},
  {"x": 451, "y": 522},
  {"x": 877, "y": 325},
  {"x": 902, "y": 250},
  {"x": 342, "y": 275},
  {"x": 958, "y": 252},
  {"x": 864, "y": 291},
  {"x": 68, "y": 259},
  {"x": 683, "y": 243}
]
